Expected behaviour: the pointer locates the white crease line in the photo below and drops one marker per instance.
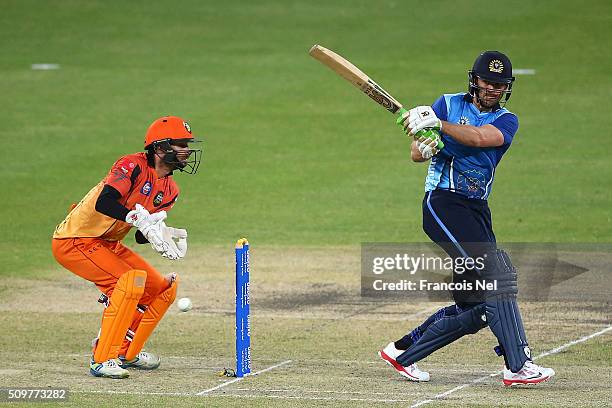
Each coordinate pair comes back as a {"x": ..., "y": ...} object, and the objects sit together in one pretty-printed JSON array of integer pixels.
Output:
[
  {"x": 173, "y": 394},
  {"x": 236, "y": 395},
  {"x": 241, "y": 378},
  {"x": 299, "y": 397},
  {"x": 214, "y": 366},
  {"x": 286, "y": 391},
  {"x": 481, "y": 379},
  {"x": 422, "y": 312}
]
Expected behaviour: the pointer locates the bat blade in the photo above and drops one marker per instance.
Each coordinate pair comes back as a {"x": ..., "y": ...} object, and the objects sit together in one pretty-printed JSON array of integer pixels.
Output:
[{"x": 357, "y": 77}]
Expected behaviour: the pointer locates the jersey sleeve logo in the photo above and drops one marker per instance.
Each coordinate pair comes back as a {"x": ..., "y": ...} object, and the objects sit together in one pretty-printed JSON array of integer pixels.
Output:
[
  {"x": 159, "y": 197},
  {"x": 146, "y": 188}
]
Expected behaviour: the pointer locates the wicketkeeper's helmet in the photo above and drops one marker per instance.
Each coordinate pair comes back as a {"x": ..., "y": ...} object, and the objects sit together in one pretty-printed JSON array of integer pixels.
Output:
[{"x": 169, "y": 130}]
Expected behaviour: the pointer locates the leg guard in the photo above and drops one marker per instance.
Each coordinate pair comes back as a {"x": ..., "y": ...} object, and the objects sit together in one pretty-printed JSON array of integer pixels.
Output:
[
  {"x": 442, "y": 328},
  {"x": 503, "y": 313},
  {"x": 118, "y": 315},
  {"x": 153, "y": 314}
]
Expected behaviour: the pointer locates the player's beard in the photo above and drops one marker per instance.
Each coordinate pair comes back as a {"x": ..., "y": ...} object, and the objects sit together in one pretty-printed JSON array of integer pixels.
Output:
[{"x": 488, "y": 98}]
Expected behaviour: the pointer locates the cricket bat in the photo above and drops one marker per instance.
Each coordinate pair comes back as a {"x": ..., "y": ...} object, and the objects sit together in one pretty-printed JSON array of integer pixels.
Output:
[{"x": 367, "y": 85}]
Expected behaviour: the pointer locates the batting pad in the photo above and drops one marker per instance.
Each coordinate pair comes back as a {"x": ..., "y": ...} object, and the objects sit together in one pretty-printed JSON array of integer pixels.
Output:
[
  {"x": 150, "y": 319},
  {"x": 506, "y": 324},
  {"x": 117, "y": 317},
  {"x": 447, "y": 328}
]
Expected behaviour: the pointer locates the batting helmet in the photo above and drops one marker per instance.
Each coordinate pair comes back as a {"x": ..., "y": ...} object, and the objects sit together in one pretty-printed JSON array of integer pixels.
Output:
[{"x": 491, "y": 66}]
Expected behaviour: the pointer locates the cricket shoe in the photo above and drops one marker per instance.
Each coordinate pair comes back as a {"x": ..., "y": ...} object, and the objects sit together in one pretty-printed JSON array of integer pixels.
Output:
[
  {"x": 530, "y": 374},
  {"x": 142, "y": 361},
  {"x": 108, "y": 369},
  {"x": 412, "y": 372}
]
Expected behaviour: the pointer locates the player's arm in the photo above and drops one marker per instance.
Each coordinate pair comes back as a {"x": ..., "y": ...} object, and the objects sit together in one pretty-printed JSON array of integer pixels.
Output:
[
  {"x": 109, "y": 205},
  {"x": 475, "y": 136}
]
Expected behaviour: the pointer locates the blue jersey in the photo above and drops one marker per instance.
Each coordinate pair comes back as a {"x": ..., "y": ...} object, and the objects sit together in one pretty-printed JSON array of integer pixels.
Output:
[{"x": 462, "y": 169}]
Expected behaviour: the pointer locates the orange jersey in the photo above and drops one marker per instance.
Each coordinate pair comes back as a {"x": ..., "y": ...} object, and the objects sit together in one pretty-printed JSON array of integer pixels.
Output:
[{"x": 137, "y": 183}]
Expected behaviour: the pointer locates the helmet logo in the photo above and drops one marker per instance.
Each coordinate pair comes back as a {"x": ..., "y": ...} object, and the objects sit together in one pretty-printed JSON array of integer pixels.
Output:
[
  {"x": 187, "y": 127},
  {"x": 496, "y": 66}
]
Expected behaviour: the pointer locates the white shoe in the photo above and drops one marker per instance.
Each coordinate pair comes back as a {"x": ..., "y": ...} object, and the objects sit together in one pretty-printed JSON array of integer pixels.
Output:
[
  {"x": 530, "y": 374},
  {"x": 109, "y": 369},
  {"x": 412, "y": 372},
  {"x": 143, "y": 361}
]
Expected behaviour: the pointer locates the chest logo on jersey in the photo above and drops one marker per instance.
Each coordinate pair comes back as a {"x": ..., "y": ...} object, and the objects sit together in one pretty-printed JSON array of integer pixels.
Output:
[
  {"x": 471, "y": 181},
  {"x": 159, "y": 197},
  {"x": 146, "y": 188},
  {"x": 464, "y": 120}
]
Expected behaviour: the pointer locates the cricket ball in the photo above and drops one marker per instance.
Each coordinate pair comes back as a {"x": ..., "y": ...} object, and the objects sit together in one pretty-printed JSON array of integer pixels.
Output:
[{"x": 184, "y": 304}]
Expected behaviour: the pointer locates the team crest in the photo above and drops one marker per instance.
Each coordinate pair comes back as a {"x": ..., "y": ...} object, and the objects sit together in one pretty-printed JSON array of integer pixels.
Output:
[
  {"x": 464, "y": 120},
  {"x": 146, "y": 188},
  {"x": 472, "y": 182},
  {"x": 159, "y": 197},
  {"x": 496, "y": 66},
  {"x": 187, "y": 127}
]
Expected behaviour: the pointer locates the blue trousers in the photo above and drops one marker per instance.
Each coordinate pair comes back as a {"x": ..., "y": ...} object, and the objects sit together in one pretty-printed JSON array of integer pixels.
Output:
[{"x": 462, "y": 227}]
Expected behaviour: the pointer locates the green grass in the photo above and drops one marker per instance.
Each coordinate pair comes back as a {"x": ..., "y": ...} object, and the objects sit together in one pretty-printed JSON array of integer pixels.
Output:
[{"x": 293, "y": 154}]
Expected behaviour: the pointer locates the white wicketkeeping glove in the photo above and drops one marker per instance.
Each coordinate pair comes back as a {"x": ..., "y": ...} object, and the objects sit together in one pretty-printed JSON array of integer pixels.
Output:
[
  {"x": 419, "y": 118},
  {"x": 176, "y": 239},
  {"x": 427, "y": 146},
  {"x": 150, "y": 226}
]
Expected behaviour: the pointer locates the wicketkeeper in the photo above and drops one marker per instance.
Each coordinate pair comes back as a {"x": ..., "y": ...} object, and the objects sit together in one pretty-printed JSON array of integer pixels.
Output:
[
  {"x": 476, "y": 130},
  {"x": 137, "y": 192}
]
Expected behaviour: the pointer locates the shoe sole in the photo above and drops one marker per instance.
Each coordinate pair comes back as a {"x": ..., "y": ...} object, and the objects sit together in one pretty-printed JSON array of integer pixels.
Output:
[
  {"x": 398, "y": 367},
  {"x": 142, "y": 368},
  {"x": 512, "y": 383},
  {"x": 114, "y": 377}
]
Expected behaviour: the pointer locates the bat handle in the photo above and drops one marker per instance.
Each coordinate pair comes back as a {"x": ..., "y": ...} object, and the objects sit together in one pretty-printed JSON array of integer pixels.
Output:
[
  {"x": 398, "y": 121},
  {"x": 399, "y": 118}
]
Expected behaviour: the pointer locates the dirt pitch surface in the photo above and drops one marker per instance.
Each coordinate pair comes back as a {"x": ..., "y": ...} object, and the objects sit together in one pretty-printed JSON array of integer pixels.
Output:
[{"x": 314, "y": 341}]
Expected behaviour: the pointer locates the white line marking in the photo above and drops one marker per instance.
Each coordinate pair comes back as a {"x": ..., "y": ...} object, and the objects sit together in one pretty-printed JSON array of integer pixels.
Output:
[
  {"x": 422, "y": 312},
  {"x": 242, "y": 378},
  {"x": 237, "y": 395},
  {"x": 299, "y": 397},
  {"x": 173, "y": 394},
  {"x": 287, "y": 391},
  {"x": 45, "y": 67},
  {"x": 524, "y": 71},
  {"x": 481, "y": 379}
]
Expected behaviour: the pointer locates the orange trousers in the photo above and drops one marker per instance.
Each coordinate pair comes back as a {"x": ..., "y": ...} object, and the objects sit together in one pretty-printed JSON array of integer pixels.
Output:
[{"x": 103, "y": 262}]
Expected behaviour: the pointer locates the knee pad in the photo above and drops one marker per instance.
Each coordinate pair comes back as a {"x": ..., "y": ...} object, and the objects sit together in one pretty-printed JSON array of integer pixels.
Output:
[
  {"x": 499, "y": 268},
  {"x": 117, "y": 316},
  {"x": 448, "y": 327},
  {"x": 151, "y": 317},
  {"x": 474, "y": 319}
]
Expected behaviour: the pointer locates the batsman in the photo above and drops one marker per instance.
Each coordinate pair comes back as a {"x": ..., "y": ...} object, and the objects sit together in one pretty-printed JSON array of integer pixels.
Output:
[
  {"x": 137, "y": 192},
  {"x": 476, "y": 130}
]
